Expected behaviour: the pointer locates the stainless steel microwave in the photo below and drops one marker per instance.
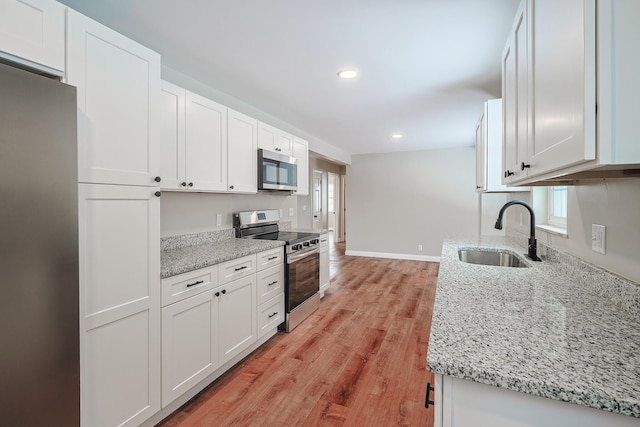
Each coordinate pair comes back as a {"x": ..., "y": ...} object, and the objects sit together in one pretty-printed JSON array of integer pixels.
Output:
[{"x": 276, "y": 171}]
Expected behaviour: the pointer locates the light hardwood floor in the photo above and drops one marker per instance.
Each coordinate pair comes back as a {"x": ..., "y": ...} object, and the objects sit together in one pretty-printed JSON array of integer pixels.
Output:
[{"x": 357, "y": 361}]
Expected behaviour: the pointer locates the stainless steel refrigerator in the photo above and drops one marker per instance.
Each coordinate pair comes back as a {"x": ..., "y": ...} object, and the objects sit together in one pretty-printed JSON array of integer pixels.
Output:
[{"x": 39, "y": 332}]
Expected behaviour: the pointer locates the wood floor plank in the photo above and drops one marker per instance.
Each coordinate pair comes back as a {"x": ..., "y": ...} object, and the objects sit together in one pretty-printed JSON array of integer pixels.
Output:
[{"x": 359, "y": 360}]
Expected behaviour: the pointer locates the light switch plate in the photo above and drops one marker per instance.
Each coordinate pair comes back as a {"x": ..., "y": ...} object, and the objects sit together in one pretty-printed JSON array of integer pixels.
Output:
[
  {"x": 598, "y": 238},
  {"x": 218, "y": 220}
]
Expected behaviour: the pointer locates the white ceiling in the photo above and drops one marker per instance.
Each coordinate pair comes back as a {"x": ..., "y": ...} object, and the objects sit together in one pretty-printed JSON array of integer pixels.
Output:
[{"x": 426, "y": 66}]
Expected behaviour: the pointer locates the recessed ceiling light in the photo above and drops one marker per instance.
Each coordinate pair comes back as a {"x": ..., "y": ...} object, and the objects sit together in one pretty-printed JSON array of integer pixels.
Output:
[
  {"x": 396, "y": 136},
  {"x": 347, "y": 74}
]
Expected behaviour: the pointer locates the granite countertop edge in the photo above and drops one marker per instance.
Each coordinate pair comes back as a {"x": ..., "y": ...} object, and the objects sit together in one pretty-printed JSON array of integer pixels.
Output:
[
  {"x": 184, "y": 259},
  {"x": 552, "y": 281}
]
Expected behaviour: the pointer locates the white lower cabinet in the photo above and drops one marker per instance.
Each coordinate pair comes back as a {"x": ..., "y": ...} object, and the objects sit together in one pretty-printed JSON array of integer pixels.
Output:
[
  {"x": 462, "y": 403},
  {"x": 211, "y": 317},
  {"x": 119, "y": 241},
  {"x": 325, "y": 279}
]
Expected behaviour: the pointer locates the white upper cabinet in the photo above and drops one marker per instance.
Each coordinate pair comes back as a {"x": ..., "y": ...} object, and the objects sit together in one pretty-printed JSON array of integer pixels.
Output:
[
  {"x": 206, "y": 144},
  {"x": 32, "y": 32},
  {"x": 172, "y": 136},
  {"x": 118, "y": 83},
  {"x": 301, "y": 153},
  {"x": 489, "y": 149},
  {"x": 562, "y": 84},
  {"x": 580, "y": 120},
  {"x": 242, "y": 153},
  {"x": 273, "y": 139},
  {"x": 515, "y": 99}
]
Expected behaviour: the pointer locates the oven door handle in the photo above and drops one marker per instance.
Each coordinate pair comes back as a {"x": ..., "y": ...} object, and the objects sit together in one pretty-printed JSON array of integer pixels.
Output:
[{"x": 297, "y": 257}]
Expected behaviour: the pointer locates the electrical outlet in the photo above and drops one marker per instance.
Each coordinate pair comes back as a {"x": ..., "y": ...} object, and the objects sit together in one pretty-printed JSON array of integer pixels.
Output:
[
  {"x": 420, "y": 248},
  {"x": 290, "y": 211},
  {"x": 598, "y": 238},
  {"x": 219, "y": 220}
]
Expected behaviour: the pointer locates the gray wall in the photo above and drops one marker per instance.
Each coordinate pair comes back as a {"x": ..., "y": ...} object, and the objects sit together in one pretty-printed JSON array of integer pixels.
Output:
[
  {"x": 185, "y": 212},
  {"x": 397, "y": 201},
  {"x": 615, "y": 204}
]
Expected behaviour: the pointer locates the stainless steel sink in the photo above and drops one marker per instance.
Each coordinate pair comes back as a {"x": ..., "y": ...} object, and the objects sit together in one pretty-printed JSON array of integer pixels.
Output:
[{"x": 487, "y": 257}]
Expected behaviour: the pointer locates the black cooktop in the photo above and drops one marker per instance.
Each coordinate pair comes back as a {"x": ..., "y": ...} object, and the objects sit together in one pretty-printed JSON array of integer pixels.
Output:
[{"x": 288, "y": 237}]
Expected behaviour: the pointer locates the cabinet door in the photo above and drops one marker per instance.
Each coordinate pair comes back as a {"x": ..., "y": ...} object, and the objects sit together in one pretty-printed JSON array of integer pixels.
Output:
[
  {"x": 237, "y": 320},
  {"x": 267, "y": 137},
  {"x": 119, "y": 243},
  {"x": 515, "y": 99},
  {"x": 172, "y": 136},
  {"x": 562, "y": 83},
  {"x": 270, "y": 283},
  {"x": 118, "y": 84},
  {"x": 242, "y": 153},
  {"x": 270, "y": 314},
  {"x": 189, "y": 348},
  {"x": 206, "y": 144},
  {"x": 324, "y": 268},
  {"x": 33, "y": 30},
  {"x": 284, "y": 143},
  {"x": 301, "y": 153},
  {"x": 480, "y": 154}
]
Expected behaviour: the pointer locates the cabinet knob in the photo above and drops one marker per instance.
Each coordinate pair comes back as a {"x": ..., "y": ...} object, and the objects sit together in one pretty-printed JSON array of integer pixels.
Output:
[
  {"x": 190, "y": 184},
  {"x": 157, "y": 194},
  {"x": 478, "y": 187},
  {"x": 231, "y": 187},
  {"x": 157, "y": 179},
  {"x": 224, "y": 291},
  {"x": 217, "y": 294},
  {"x": 183, "y": 184},
  {"x": 508, "y": 173},
  {"x": 523, "y": 166}
]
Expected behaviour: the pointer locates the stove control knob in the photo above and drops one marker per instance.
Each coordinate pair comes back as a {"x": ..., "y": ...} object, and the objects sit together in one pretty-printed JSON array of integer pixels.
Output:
[
  {"x": 305, "y": 243},
  {"x": 296, "y": 247},
  {"x": 315, "y": 241}
]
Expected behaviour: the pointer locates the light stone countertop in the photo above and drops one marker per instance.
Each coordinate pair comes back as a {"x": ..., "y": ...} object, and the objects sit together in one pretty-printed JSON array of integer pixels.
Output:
[
  {"x": 182, "y": 259},
  {"x": 561, "y": 329}
]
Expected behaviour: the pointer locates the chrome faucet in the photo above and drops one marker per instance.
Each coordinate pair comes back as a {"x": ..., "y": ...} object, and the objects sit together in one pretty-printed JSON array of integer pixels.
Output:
[{"x": 532, "y": 254}]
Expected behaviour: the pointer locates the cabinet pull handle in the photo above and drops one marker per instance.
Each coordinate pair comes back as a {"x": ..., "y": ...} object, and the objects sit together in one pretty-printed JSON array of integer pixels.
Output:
[
  {"x": 508, "y": 173},
  {"x": 478, "y": 187},
  {"x": 272, "y": 258},
  {"x": 157, "y": 194},
  {"x": 195, "y": 283},
  {"x": 217, "y": 294},
  {"x": 224, "y": 291},
  {"x": 427, "y": 401},
  {"x": 523, "y": 166},
  {"x": 271, "y": 315},
  {"x": 157, "y": 179},
  {"x": 241, "y": 268},
  {"x": 183, "y": 184},
  {"x": 272, "y": 283}
]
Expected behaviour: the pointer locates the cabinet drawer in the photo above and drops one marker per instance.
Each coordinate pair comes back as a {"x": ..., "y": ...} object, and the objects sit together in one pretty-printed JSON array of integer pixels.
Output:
[
  {"x": 270, "y": 258},
  {"x": 270, "y": 283},
  {"x": 237, "y": 268},
  {"x": 185, "y": 285},
  {"x": 324, "y": 240},
  {"x": 270, "y": 314}
]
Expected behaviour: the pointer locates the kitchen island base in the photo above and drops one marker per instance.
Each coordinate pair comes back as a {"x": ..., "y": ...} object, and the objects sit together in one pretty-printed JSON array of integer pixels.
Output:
[{"x": 461, "y": 403}]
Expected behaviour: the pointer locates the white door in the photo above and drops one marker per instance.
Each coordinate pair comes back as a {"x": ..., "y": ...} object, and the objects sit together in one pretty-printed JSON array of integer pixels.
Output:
[
  {"x": 206, "y": 144},
  {"x": 34, "y": 30},
  {"x": 317, "y": 199},
  {"x": 237, "y": 320},
  {"x": 119, "y": 243},
  {"x": 242, "y": 153},
  {"x": 562, "y": 81},
  {"x": 118, "y": 83},
  {"x": 172, "y": 136},
  {"x": 189, "y": 344}
]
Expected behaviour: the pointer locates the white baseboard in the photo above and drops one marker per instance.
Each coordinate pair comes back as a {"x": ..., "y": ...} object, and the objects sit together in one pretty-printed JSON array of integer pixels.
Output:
[{"x": 409, "y": 257}]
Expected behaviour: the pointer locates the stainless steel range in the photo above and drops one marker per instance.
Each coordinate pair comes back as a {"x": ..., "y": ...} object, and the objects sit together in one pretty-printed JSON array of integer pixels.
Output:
[{"x": 302, "y": 262}]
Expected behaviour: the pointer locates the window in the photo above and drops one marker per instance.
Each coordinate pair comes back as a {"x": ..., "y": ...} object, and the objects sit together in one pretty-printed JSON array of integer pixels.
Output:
[{"x": 557, "y": 206}]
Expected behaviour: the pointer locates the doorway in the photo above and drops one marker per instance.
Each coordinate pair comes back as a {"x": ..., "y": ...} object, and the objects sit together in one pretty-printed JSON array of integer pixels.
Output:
[{"x": 318, "y": 220}]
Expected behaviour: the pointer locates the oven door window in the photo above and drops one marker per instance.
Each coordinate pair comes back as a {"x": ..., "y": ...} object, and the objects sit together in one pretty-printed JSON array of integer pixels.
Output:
[{"x": 304, "y": 280}]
